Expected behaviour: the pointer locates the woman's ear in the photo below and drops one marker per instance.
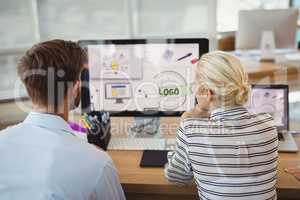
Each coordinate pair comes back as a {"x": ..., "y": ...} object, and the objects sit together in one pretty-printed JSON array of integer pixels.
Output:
[
  {"x": 204, "y": 93},
  {"x": 203, "y": 99},
  {"x": 210, "y": 95}
]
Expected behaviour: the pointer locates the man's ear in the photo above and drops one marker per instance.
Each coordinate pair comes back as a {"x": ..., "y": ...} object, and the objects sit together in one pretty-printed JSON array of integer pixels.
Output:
[
  {"x": 76, "y": 93},
  {"x": 76, "y": 88}
]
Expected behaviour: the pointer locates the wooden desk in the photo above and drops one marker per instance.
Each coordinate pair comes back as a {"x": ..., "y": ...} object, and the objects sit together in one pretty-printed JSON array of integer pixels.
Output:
[
  {"x": 271, "y": 73},
  {"x": 147, "y": 183},
  {"x": 150, "y": 183}
]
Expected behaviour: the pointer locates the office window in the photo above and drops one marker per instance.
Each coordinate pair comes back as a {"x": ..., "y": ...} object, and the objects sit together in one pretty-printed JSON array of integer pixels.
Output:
[
  {"x": 174, "y": 18},
  {"x": 18, "y": 30},
  {"x": 227, "y": 11},
  {"x": 296, "y": 4},
  {"x": 25, "y": 22},
  {"x": 89, "y": 19},
  {"x": 8, "y": 85},
  {"x": 17, "y": 23}
]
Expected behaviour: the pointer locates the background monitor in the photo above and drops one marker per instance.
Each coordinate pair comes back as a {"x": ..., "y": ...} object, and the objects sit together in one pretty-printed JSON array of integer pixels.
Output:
[
  {"x": 252, "y": 23},
  {"x": 141, "y": 77},
  {"x": 272, "y": 99}
]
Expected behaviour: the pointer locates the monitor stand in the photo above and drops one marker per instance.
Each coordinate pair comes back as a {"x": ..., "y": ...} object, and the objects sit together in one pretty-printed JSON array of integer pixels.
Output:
[{"x": 145, "y": 127}]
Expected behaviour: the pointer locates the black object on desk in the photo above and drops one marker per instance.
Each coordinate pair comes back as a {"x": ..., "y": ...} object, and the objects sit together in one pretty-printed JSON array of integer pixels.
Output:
[
  {"x": 154, "y": 158},
  {"x": 99, "y": 134}
]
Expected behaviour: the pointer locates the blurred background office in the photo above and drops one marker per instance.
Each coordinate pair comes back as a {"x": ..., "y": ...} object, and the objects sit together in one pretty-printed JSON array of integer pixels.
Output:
[{"x": 25, "y": 22}]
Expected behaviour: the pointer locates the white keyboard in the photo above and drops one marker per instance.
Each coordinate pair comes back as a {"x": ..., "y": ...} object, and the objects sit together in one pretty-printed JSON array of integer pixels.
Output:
[{"x": 140, "y": 144}]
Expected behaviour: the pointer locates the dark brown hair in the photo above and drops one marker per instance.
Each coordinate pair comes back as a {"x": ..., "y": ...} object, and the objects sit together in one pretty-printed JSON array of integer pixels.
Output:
[{"x": 49, "y": 66}]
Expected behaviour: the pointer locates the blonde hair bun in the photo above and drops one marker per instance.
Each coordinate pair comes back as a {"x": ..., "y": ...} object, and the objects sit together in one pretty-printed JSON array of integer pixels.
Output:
[
  {"x": 225, "y": 75},
  {"x": 242, "y": 95}
]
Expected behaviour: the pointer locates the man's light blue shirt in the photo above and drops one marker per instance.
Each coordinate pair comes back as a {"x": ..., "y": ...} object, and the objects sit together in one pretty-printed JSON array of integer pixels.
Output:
[{"x": 40, "y": 158}]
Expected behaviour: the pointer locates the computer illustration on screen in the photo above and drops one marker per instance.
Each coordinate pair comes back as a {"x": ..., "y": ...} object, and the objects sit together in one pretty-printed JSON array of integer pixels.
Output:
[{"x": 142, "y": 77}]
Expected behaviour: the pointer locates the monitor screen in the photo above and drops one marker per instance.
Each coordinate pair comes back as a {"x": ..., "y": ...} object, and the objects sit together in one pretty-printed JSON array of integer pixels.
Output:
[
  {"x": 117, "y": 91},
  {"x": 140, "y": 76},
  {"x": 272, "y": 100}
]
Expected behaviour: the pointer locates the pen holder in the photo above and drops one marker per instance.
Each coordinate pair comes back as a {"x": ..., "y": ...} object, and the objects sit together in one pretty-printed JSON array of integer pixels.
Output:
[{"x": 99, "y": 134}]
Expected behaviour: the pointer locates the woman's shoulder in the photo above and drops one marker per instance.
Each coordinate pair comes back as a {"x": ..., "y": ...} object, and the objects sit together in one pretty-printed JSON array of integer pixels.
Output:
[
  {"x": 261, "y": 116},
  {"x": 245, "y": 121},
  {"x": 195, "y": 120}
]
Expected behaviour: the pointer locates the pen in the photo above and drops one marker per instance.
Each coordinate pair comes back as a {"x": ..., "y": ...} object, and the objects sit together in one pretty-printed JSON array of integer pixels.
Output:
[
  {"x": 96, "y": 119},
  {"x": 91, "y": 120},
  {"x": 85, "y": 124},
  {"x": 87, "y": 121},
  {"x": 183, "y": 57}
]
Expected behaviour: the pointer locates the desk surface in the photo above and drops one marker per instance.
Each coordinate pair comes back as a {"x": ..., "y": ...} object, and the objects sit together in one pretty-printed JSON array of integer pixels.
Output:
[
  {"x": 270, "y": 72},
  {"x": 136, "y": 180}
]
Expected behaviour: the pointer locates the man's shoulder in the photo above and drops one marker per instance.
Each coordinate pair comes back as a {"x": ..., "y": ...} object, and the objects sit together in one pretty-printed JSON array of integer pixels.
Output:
[
  {"x": 86, "y": 148},
  {"x": 11, "y": 129},
  {"x": 84, "y": 151},
  {"x": 49, "y": 140}
]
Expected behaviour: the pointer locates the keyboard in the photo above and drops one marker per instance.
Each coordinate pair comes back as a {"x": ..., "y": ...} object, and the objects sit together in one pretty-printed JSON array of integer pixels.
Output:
[{"x": 141, "y": 144}]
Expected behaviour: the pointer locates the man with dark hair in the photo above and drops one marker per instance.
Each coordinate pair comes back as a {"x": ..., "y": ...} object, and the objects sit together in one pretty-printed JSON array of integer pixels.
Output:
[{"x": 40, "y": 157}]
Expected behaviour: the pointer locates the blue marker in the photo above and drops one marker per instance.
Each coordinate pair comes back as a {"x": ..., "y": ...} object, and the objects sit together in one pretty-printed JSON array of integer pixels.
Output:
[{"x": 90, "y": 120}]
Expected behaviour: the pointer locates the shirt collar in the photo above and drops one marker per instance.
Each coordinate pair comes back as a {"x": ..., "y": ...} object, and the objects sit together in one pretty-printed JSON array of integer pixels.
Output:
[
  {"x": 49, "y": 121},
  {"x": 233, "y": 112}
]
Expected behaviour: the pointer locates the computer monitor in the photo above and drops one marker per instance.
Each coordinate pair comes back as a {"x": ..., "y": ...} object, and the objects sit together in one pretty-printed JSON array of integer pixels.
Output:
[
  {"x": 252, "y": 23},
  {"x": 272, "y": 99},
  {"x": 117, "y": 91},
  {"x": 141, "y": 77}
]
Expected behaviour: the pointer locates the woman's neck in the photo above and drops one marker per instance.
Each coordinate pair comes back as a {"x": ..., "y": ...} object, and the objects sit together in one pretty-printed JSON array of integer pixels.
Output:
[{"x": 216, "y": 106}]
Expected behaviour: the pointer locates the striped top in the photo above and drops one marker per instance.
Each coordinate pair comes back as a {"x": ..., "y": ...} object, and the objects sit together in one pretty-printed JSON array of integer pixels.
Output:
[{"x": 231, "y": 155}]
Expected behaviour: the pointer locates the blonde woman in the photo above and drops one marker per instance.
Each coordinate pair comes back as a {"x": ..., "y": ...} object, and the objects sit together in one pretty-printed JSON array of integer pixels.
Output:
[{"x": 229, "y": 152}]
